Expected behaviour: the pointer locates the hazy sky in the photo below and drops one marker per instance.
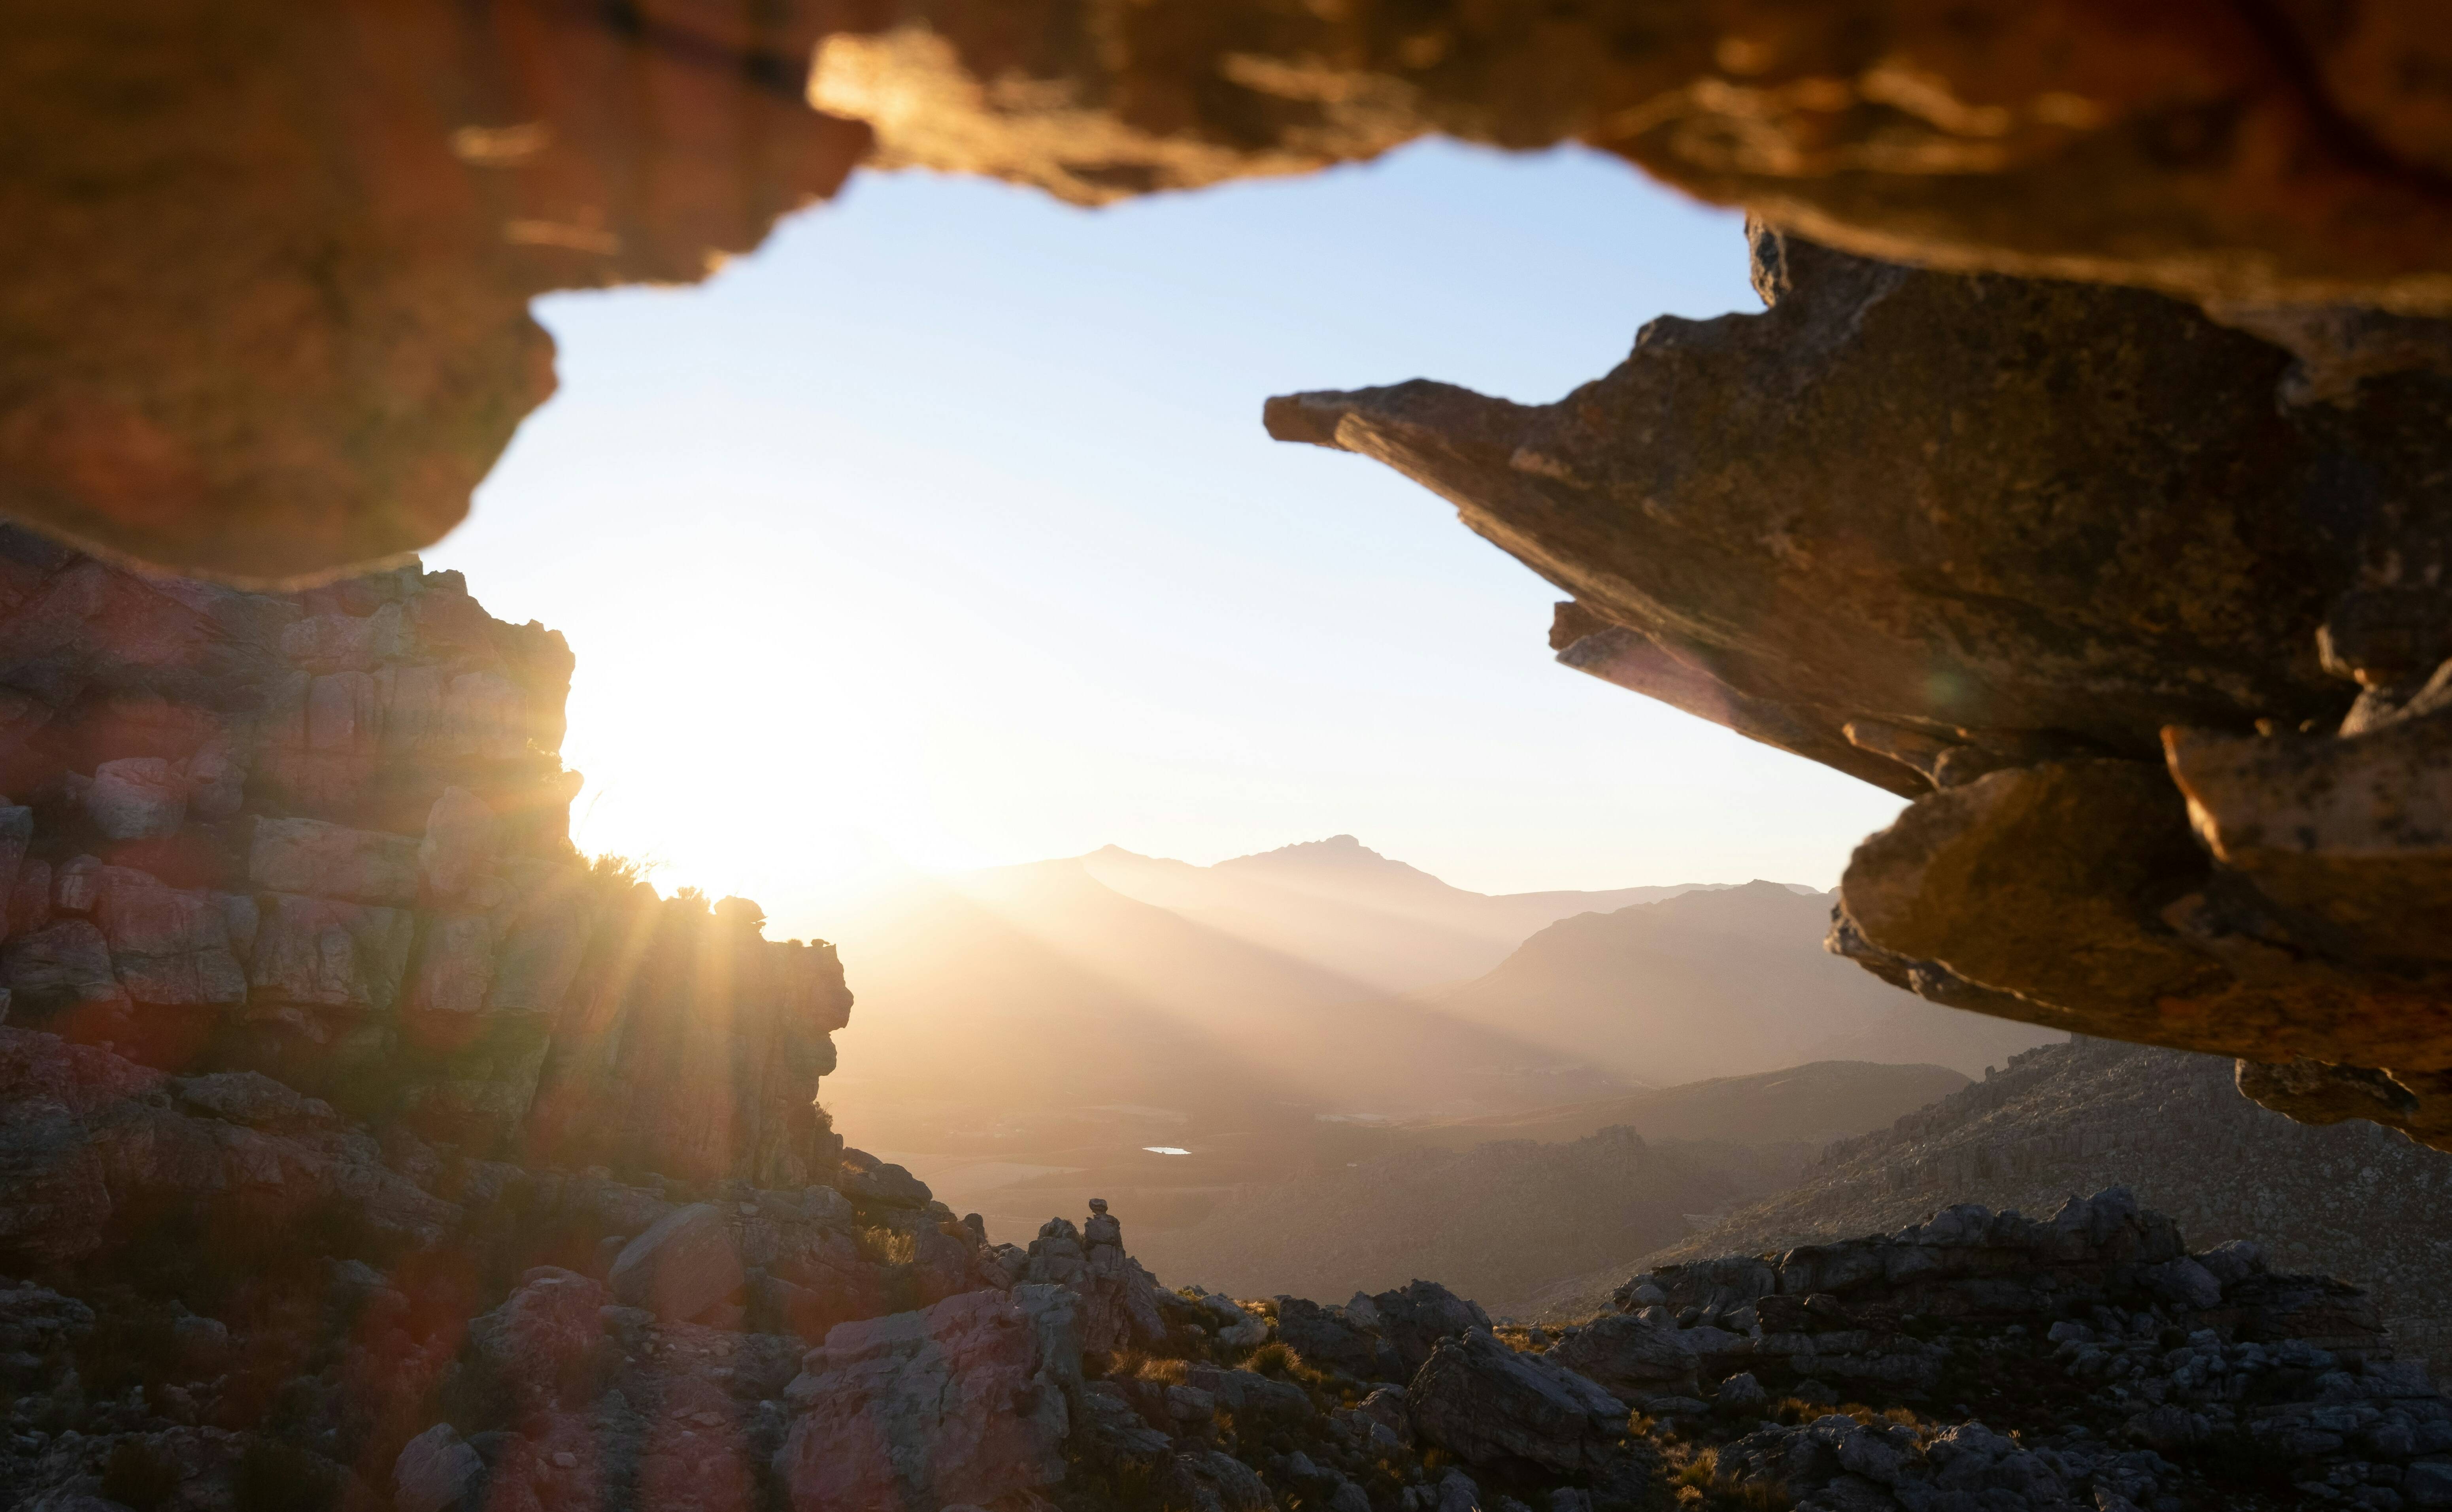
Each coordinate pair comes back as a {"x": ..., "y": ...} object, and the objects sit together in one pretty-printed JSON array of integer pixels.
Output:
[{"x": 942, "y": 533}]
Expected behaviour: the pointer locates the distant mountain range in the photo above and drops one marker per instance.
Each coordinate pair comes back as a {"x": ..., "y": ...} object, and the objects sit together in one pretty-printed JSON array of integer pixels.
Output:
[
  {"x": 1721, "y": 983},
  {"x": 1338, "y": 904},
  {"x": 1057, "y": 1015}
]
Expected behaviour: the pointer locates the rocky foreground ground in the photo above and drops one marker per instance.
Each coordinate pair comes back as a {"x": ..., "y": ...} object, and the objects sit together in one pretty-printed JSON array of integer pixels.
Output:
[
  {"x": 432, "y": 1333},
  {"x": 2351, "y": 1200}
]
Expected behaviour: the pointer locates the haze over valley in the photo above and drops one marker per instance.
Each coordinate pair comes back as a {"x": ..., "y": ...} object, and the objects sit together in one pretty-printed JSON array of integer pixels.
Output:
[{"x": 1030, "y": 1034}]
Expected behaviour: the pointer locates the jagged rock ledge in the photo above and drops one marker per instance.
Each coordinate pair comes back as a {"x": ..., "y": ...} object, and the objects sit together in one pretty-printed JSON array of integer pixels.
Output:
[{"x": 2156, "y": 639}]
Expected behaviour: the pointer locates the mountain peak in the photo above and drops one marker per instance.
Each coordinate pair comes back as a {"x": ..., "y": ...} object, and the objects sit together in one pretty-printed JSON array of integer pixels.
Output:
[{"x": 1337, "y": 863}]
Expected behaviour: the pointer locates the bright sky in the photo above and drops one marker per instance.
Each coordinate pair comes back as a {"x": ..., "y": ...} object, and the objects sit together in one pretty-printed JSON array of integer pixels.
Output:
[{"x": 942, "y": 533}]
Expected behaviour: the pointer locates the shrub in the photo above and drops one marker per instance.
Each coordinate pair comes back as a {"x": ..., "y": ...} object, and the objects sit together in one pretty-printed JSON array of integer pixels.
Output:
[
  {"x": 1275, "y": 1358},
  {"x": 887, "y": 1246},
  {"x": 1700, "y": 1470}
]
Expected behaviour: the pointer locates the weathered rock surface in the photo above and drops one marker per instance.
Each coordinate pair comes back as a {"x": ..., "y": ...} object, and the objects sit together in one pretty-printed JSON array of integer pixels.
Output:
[
  {"x": 1892, "y": 525},
  {"x": 687, "y": 1262},
  {"x": 274, "y": 321},
  {"x": 1484, "y": 1401},
  {"x": 2354, "y": 1201},
  {"x": 266, "y": 312},
  {"x": 963, "y": 1402},
  {"x": 2182, "y": 147},
  {"x": 2125, "y": 1368}
]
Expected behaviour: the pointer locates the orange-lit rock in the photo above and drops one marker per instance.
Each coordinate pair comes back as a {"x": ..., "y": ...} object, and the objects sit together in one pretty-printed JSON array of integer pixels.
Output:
[{"x": 264, "y": 305}]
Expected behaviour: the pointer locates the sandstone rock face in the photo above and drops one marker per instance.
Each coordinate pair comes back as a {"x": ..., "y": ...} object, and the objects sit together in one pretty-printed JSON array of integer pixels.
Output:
[
  {"x": 1891, "y": 525},
  {"x": 963, "y": 1402},
  {"x": 2181, "y": 148},
  {"x": 91, "y": 1145},
  {"x": 273, "y": 320},
  {"x": 323, "y": 836}
]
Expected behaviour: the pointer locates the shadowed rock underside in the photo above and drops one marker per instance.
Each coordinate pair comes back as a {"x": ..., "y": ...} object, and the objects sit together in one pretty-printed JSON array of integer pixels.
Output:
[{"x": 2158, "y": 651}]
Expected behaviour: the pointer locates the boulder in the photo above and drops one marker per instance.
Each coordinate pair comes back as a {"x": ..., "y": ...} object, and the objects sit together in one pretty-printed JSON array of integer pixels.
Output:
[
  {"x": 1419, "y": 1316},
  {"x": 1212, "y": 1481},
  {"x": 454, "y": 967},
  {"x": 436, "y": 1472},
  {"x": 77, "y": 884},
  {"x": 863, "y": 1178},
  {"x": 169, "y": 946},
  {"x": 1485, "y": 1403},
  {"x": 968, "y": 1401},
  {"x": 2187, "y": 1283},
  {"x": 317, "y": 951},
  {"x": 1741, "y": 1394},
  {"x": 1235, "y": 1328},
  {"x": 216, "y": 780},
  {"x": 1248, "y": 1393},
  {"x": 1326, "y": 1337},
  {"x": 1631, "y": 1356},
  {"x": 64, "y": 966},
  {"x": 545, "y": 1336},
  {"x": 323, "y": 860},
  {"x": 137, "y": 799},
  {"x": 254, "y": 1099},
  {"x": 687, "y": 1262}
]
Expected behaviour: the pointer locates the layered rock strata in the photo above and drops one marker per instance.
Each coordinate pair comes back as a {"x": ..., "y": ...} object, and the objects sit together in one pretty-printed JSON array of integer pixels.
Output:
[
  {"x": 2150, "y": 645},
  {"x": 323, "y": 838}
]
